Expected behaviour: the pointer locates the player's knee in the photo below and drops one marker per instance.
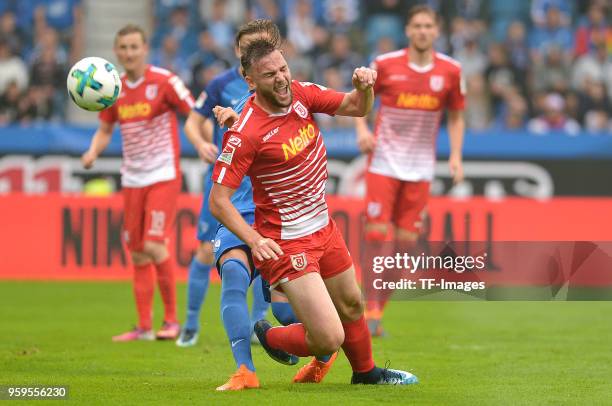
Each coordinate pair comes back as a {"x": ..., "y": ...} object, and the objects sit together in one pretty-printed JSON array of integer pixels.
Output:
[
  {"x": 328, "y": 342},
  {"x": 156, "y": 250},
  {"x": 351, "y": 307},
  {"x": 376, "y": 232},
  {"x": 204, "y": 253},
  {"x": 139, "y": 257}
]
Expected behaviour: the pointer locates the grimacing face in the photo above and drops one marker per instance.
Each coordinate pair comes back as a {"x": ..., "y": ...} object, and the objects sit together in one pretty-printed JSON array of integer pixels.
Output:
[
  {"x": 271, "y": 78},
  {"x": 131, "y": 51},
  {"x": 422, "y": 31}
]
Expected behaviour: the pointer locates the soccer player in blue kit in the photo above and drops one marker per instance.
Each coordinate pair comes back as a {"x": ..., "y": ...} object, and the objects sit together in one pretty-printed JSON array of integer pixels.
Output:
[{"x": 227, "y": 89}]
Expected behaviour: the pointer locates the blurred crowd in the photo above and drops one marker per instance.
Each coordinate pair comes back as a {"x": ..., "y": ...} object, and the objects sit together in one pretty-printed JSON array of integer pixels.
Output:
[{"x": 528, "y": 64}]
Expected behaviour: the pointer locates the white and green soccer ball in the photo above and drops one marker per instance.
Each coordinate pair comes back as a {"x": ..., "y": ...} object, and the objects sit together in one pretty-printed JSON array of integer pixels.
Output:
[{"x": 93, "y": 83}]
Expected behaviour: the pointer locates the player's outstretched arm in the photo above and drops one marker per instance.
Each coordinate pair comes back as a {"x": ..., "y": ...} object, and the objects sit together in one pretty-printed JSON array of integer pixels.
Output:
[
  {"x": 99, "y": 142},
  {"x": 222, "y": 208},
  {"x": 359, "y": 102},
  {"x": 456, "y": 129},
  {"x": 199, "y": 132}
]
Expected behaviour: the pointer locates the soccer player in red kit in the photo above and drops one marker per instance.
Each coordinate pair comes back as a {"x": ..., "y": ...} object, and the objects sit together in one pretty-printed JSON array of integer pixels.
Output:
[
  {"x": 150, "y": 174},
  {"x": 295, "y": 244},
  {"x": 415, "y": 86}
]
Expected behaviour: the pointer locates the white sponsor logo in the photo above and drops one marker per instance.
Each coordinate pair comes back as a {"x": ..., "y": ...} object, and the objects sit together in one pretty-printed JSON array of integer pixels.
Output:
[
  {"x": 270, "y": 134},
  {"x": 436, "y": 82},
  {"x": 398, "y": 77},
  {"x": 374, "y": 209},
  {"x": 234, "y": 343},
  {"x": 151, "y": 92},
  {"x": 299, "y": 262},
  {"x": 300, "y": 109}
]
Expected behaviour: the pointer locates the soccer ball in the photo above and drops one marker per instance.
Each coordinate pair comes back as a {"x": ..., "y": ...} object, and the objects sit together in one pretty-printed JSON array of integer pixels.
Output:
[{"x": 93, "y": 84}]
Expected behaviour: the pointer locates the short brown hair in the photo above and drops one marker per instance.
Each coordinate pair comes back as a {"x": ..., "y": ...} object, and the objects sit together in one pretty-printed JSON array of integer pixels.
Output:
[
  {"x": 421, "y": 8},
  {"x": 255, "y": 51},
  {"x": 259, "y": 26},
  {"x": 131, "y": 29}
]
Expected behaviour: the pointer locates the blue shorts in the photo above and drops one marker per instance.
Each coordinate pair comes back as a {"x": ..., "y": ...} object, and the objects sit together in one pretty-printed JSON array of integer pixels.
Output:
[
  {"x": 225, "y": 240},
  {"x": 207, "y": 223}
]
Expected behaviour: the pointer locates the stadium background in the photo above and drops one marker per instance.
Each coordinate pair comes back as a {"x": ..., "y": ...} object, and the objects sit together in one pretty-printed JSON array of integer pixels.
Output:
[{"x": 524, "y": 182}]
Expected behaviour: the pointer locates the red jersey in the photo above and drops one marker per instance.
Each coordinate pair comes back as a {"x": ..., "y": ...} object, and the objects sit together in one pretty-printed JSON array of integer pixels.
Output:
[
  {"x": 146, "y": 114},
  {"x": 413, "y": 99},
  {"x": 286, "y": 159}
]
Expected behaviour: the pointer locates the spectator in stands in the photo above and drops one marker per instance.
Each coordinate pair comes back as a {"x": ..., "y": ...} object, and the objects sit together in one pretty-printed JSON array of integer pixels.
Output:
[
  {"x": 163, "y": 9},
  {"x": 234, "y": 10},
  {"x": 269, "y": 9},
  {"x": 383, "y": 46},
  {"x": 340, "y": 22},
  {"x": 513, "y": 113},
  {"x": 596, "y": 65},
  {"x": 594, "y": 24},
  {"x": 478, "y": 103},
  {"x": 501, "y": 75},
  {"x": 65, "y": 17},
  {"x": 301, "y": 26},
  {"x": 180, "y": 28},
  {"x": 12, "y": 68},
  {"x": 301, "y": 65},
  {"x": 594, "y": 107},
  {"x": 473, "y": 60},
  {"x": 49, "y": 39},
  {"x": 516, "y": 46},
  {"x": 48, "y": 76},
  {"x": 552, "y": 33},
  {"x": 10, "y": 32},
  {"x": 385, "y": 19},
  {"x": 539, "y": 10},
  {"x": 332, "y": 78},
  {"x": 554, "y": 118},
  {"x": 341, "y": 57},
  {"x": 207, "y": 54},
  {"x": 503, "y": 12},
  {"x": 552, "y": 73},
  {"x": 168, "y": 57},
  {"x": 8, "y": 104},
  {"x": 219, "y": 26}
]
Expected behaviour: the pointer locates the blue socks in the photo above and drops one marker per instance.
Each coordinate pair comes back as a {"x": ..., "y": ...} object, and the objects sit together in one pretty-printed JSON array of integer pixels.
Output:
[
  {"x": 234, "y": 311},
  {"x": 197, "y": 286},
  {"x": 284, "y": 314},
  {"x": 260, "y": 306}
]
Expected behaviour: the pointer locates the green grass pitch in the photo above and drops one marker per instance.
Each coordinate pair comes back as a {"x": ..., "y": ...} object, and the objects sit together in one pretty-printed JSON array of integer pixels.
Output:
[{"x": 465, "y": 353}]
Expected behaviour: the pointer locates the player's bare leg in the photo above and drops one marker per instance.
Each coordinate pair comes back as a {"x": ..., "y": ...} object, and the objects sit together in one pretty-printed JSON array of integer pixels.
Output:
[
  {"x": 316, "y": 369},
  {"x": 160, "y": 256},
  {"x": 143, "y": 288},
  {"x": 376, "y": 237}
]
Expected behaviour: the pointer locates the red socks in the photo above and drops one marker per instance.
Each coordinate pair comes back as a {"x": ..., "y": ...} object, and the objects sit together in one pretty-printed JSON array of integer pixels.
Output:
[
  {"x": 167, "y": 288},
  {"x": 358, "y": 345},
  {"x": 291, "y": 338},
  {"x": 144, "y": 286}
]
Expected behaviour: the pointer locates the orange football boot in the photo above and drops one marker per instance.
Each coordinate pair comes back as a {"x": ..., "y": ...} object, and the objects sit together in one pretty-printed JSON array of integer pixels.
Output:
[
  {"x": 243, "y": 378},
  {"x": 314, "y": 371}
]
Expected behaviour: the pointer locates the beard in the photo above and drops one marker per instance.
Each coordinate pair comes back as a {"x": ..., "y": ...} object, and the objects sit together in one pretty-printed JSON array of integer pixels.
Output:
[{"x": 272, "y": 98}]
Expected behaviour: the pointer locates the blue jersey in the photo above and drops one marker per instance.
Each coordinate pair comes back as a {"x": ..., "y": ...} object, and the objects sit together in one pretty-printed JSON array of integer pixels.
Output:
[{"x": 228, "y": 90}]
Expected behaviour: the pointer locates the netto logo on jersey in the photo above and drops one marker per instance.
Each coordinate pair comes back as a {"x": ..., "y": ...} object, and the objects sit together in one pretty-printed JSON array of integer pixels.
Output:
[
  {"x": 136, "y": 110},
  {"x": 417, "y": 101},
  {"x": 299, "y": 142}
]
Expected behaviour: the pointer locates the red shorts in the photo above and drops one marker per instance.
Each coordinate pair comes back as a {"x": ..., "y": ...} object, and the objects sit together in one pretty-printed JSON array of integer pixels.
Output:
[
  {"x": 390, "y": 200},
  {"x": 324, "y": 252},
  {"x": 149, "y": 212}
]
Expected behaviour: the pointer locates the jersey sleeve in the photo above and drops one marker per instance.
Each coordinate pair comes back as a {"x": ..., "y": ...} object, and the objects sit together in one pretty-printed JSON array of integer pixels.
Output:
[
  {"x": 378, "y": 67},
  {"x": 234, "y": 161},
  {"x": 178, "y": 95},
  {"x": 456, "y": 97},
  {"x": 208, "y": 99},
  {"x": 108, "y": 115},
  {"x": 321, "y": 99}
]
